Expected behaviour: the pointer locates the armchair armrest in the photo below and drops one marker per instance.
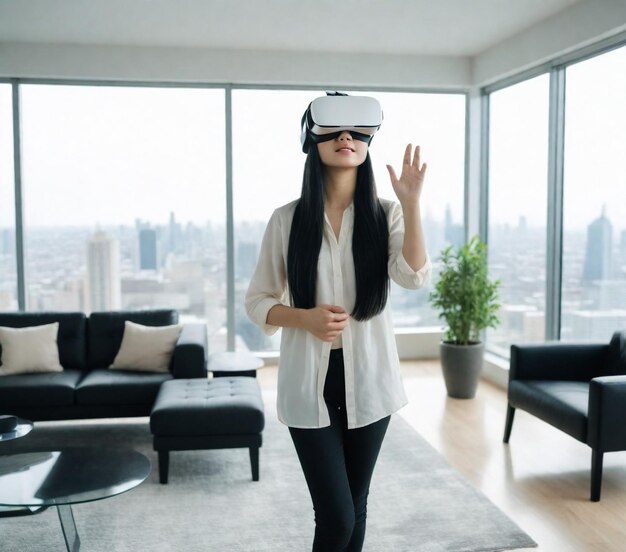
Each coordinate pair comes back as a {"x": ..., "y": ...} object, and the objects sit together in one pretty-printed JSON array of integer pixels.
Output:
[
  {"x": 557, "y": 361},
  {"x": 190, "y": 354},
  {"x": 607, "y": 412}
]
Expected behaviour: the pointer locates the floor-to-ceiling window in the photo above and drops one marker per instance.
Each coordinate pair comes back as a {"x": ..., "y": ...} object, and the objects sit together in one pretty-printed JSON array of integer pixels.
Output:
[
  {"x": 592, "y": 293},
  {"x": 267, "y": 172},
  {"x": 124, "y": 194},
  {"x": 593, "y": 303},
  {"x": 437, "y": 123},
  {"x": 124, "y": 200},
  {"x": 8, "y": 267},
  {"x": 518, "y": 157}
]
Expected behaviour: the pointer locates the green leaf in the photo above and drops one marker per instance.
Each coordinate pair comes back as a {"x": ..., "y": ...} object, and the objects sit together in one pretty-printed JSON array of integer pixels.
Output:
[{"x": 467, "y": 300}]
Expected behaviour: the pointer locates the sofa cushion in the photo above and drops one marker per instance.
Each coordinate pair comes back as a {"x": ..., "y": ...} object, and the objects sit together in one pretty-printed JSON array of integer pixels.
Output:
[
  {"x": 106, "y": 329},
  {"x": 563, "y": 404},
  {"x": 147, "y": 348},
  {"x": 110, "y": 387},
  {"x": 71, "y": 336},
  {"x": 29, "y": 350},
  {"x": 39, "y": 390}
]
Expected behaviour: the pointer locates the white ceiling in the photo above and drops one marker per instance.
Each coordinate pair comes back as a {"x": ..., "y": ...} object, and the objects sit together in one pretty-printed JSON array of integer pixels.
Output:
[{"x": 419, "y": 27}]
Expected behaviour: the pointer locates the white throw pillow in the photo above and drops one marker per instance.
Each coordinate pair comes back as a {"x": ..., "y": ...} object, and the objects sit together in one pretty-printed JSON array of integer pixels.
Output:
[
  {"x": 146, "y": 348},
  {"x": 30, "y": 350}
]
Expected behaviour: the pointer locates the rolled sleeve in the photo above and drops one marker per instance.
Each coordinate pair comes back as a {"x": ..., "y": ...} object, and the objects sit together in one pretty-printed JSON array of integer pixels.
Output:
[
  {"x": 257, "y": 312},
  {"x": 267, "y": 287},
  {"x": 406, "y": 277},
  {"x": 399, "y": 269}
]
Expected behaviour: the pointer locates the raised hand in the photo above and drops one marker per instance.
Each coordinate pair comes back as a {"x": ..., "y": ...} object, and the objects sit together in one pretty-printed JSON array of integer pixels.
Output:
[{"x": 408, "y": 187}]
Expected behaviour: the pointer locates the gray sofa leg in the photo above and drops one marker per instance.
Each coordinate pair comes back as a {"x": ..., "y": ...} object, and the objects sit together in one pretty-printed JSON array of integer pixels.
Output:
[
  {"x": 596, "y": 474},
  {"x": 164, "y": 465},
  {"x": 510, "y": 414},
  {"x": 254, "y": 462}
]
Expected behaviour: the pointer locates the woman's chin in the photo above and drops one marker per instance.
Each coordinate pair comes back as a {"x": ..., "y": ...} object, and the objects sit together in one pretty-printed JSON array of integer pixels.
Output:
[{"x": 344, "y": 164}]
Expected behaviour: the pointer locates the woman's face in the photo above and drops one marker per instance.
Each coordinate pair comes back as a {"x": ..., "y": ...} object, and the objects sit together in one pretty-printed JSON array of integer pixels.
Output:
[{"x": 343, "y": 151}]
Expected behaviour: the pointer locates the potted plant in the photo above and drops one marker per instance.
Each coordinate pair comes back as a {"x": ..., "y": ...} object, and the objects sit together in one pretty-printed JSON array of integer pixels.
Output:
[{"x": 468, "y": 302}]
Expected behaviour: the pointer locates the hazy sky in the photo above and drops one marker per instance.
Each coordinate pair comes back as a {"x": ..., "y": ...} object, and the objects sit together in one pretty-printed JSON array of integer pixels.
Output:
[
  {"x": 595, "y": 145},
  {"x": 109, "y": 155},
  {"x": 268, "y": 159},
  {"x": 121, "y": 153}
]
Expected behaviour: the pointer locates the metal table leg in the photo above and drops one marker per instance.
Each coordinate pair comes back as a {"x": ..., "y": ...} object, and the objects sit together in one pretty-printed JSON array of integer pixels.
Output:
[{"x": 66, "y": 517}]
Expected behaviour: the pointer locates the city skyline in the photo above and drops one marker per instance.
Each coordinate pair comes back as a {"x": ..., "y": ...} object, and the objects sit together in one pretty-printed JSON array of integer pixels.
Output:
[{"x": 190, "y": 275}]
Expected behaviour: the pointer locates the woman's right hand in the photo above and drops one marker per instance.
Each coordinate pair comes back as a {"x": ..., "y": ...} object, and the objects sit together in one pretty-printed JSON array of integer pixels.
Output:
[{"x": 326, "y": 322}]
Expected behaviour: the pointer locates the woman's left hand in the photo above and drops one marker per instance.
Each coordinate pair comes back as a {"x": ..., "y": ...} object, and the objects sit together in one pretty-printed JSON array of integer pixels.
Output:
[{"x": 408, "y": 187}]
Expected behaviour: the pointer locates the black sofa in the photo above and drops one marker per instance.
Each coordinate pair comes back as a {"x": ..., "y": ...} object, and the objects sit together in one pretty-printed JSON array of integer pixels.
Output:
[
  {"x": 577, "y": 388},
  {"x": 87, "y": 346}
]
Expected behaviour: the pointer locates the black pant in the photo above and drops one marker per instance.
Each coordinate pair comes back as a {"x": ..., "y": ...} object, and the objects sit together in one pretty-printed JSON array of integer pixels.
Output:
[{"x": 338, "y": 464}]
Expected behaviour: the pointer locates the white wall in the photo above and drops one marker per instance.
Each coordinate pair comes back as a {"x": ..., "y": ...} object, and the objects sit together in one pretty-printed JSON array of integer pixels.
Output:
[
  {"x": 582, "y": 24},
  {"x": 230, "y": 66}
]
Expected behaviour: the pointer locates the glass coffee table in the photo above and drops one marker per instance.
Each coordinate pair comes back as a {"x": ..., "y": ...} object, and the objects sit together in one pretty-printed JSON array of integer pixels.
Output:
[
  {"x": 38, "y": 480},
  {"x": 234, "y": 363},
  {"x": 23, "y": 428}
]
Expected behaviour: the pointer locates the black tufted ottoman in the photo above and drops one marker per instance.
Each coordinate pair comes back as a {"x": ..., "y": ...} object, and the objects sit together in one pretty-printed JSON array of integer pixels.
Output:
[{"x": 196, "y": 414}]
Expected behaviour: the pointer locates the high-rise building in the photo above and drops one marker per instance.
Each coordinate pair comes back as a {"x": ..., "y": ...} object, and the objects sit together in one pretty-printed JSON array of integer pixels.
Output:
[
  {"x": 597, "y": 325},
  {"x": 7, "y": 242},
  {"x": 453, "y": 232},
  {"x": 175, "y": 235},
  {"x": 147, "y": 249},
  {"x": 534, "y": 326},
  {"x": 103, "y": 285},
  {"x": 246, "y": 259},
  {"x": 605, "y": 294},
  {"x": 522, "y": 223},
  {"x": 597, "y": 264}
]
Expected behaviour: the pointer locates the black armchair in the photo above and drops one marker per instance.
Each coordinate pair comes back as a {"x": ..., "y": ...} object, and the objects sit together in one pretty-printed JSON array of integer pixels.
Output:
[{"x": 577, "y": 388}]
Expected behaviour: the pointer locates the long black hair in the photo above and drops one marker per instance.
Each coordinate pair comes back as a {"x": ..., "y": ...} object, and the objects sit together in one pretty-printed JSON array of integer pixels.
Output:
[{"x": 370, "y": 240}]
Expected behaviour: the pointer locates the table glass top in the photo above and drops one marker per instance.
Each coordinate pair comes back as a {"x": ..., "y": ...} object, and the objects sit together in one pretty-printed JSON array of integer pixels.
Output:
[
  {"x": 69, "y": 475},
  {"x": 23, "y": 427},
  {"x": 239, "y": 361}
]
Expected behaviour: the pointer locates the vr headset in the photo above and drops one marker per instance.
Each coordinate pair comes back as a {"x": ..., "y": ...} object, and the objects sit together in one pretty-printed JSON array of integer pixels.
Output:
[{"x": 328, "y": 116}]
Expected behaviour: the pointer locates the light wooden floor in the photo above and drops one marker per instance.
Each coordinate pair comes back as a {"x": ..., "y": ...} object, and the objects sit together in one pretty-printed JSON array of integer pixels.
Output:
[{"x": 540, "y": 479}]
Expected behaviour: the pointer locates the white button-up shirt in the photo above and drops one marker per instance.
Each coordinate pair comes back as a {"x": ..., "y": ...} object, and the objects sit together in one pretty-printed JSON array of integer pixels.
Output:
[{"x": 374, "y": 386}]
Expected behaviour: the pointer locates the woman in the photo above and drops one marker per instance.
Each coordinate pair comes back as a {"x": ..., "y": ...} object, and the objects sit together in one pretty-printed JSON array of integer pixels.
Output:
[{"x": 323, "y": 276}]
